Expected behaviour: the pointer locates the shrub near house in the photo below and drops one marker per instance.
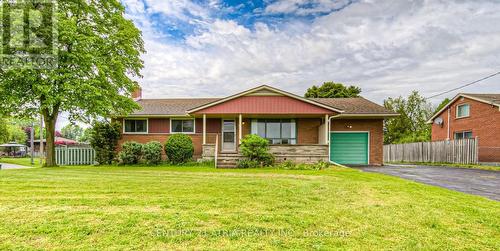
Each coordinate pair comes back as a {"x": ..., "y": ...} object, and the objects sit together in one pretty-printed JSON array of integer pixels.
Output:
[
  {"x": 104, "y": 140},
  {"x": 255, "y": 149},
  {"x": 131, "y": 153},
  {"x": 179, "y": 148},
  {"x": 152, "y": 152}
]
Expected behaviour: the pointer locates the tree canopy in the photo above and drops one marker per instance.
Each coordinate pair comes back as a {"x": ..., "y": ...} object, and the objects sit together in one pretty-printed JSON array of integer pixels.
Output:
[
  {"x": 14, "y": 130},
  {"x": 98, "y": 52},
  {"x": 71, "y": 131},
  {"x": 86, "y": 135},
  {"x": 333, "y": 90},
  {"x": 411, "y": 125}
]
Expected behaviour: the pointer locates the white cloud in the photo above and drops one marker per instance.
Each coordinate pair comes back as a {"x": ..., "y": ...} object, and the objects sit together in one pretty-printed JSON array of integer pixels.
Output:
[
  {"x": 305, "y": 7},
  {"x": 386, "y": 47}
]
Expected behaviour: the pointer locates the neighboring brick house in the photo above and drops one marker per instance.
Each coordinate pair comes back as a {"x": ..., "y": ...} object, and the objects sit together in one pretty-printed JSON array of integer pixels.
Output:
[
  {"x": 471, "y": 115},
  {"x": 343, "y": 130}
]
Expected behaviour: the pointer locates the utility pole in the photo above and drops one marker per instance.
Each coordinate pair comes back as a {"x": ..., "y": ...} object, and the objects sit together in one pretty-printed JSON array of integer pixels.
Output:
[
  {"x": 41, "y": 139},
  {"x": 32, "y": 139}
]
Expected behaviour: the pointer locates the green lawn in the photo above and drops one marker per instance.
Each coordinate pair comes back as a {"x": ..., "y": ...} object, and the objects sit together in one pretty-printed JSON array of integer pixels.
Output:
[{"x": 204, "y": 208}]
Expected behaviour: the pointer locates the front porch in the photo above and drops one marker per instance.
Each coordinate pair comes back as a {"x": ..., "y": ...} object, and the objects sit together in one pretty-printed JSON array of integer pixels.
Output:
[{"x": 301, "y": 139}]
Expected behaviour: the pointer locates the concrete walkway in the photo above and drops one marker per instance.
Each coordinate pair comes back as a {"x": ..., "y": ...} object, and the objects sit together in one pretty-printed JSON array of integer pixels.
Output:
[
  {"x": 6, "y": 166},
  {"x": 473, "y": 181}
]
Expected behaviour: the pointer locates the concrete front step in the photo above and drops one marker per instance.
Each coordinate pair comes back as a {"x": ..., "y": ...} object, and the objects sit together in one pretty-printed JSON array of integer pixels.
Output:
[{"x": 228, "y": 160}]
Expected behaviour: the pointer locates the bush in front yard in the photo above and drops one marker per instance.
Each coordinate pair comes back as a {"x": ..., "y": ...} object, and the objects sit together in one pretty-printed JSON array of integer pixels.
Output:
[
  {"x": 152, "y": 152},
  {"x": 179, "y": 148},
  {"x": 104, "y": 138},
  {"x": 255, "y": 148},
  {"x": 131, "y": 153}
]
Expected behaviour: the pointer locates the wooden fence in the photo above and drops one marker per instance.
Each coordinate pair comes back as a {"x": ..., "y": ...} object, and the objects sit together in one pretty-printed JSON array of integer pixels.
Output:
[
  {"x": 75, "y": 156},
  {"x": 463, "y": 151}
]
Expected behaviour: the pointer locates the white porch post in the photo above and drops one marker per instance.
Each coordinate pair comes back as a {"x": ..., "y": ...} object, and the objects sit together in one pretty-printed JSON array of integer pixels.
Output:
[
  {"x": 204, "y": 129},
  {"x": 327, "y": 128},
  {"x": 240, "y": 122}
]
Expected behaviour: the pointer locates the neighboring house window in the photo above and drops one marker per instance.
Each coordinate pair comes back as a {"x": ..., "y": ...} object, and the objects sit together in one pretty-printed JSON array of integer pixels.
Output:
[
  {"x": 277, "y": 131},
  {"x": 182, "y": 126},
  {"x": 463, "y": 135},
  {"x": 463, "y": 111},
  {"x": 136, "y": 126}
]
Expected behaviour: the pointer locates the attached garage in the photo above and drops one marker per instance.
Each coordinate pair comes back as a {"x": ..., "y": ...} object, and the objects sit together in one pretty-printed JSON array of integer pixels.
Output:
[{"x": 350, "y": 148}]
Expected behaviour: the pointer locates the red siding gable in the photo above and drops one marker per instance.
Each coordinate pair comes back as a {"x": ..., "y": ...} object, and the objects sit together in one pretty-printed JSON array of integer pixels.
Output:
[{"x": 264, "y": 105}]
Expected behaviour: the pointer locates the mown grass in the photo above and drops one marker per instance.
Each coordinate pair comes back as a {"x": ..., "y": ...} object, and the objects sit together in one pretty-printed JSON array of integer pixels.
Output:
[{"x": 81, "y": 208}]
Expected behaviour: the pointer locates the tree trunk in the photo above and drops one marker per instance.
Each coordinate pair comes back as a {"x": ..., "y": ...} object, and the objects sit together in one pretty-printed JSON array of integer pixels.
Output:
[{"x": 50, "y": 127}]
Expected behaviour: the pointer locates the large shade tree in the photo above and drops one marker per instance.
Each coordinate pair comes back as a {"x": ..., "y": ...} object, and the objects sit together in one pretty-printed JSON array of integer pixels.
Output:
[{"x": 98, "y": 52}]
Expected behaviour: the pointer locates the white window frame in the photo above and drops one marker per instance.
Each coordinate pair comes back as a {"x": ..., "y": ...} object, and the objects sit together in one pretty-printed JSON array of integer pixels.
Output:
[
  {"x": 458, "y": 107},
  {"x": 147, "y": 126},
  {"x": 462, "y": 132},
  {"x": 194, "y": 125}
]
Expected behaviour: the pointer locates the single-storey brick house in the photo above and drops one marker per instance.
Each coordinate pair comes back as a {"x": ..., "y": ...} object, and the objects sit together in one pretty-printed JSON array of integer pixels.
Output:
[
  {"x": 343, "y": 130},
  {"x": 470, "y": 115}
]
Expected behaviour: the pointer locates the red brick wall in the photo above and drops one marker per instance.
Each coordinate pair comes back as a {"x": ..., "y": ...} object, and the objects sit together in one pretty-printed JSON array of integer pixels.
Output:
[
  {"x": 484, "y": 122},
  {"x": 159, "y": 129},
  {"x": 374, "y": 126},
  {"x": 162, "y": 138}
]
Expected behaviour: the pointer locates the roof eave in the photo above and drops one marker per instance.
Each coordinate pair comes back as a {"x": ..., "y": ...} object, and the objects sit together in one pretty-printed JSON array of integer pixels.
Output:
[
  {"x": 153, "y": 116},
  {"x": 368, "y": 115}
]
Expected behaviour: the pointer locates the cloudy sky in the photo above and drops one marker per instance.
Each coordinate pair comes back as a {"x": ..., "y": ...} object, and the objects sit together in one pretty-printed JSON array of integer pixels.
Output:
[
  {"x": 388, "y": 48},
  {"x": 215, "y": 48}
]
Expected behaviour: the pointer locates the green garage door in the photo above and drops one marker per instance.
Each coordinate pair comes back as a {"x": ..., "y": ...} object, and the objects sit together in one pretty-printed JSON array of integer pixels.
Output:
[{"x": 349, "y": 147}]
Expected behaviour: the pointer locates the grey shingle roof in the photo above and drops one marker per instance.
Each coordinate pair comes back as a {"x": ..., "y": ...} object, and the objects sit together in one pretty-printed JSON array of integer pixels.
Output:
[
  {"x": 180, "y": 106},
  {"x": 490, "y": 98},
  {"x": 175, "y": 106},
  {"x": 354, "y": 105}
]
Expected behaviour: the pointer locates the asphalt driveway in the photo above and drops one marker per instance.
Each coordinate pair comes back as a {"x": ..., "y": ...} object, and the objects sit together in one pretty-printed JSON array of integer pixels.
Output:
[{"x": 473, "y": 181}]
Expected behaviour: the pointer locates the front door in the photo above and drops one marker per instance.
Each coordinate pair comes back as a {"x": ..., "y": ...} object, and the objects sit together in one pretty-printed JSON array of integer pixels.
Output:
[{"x": 228, "y": 135}]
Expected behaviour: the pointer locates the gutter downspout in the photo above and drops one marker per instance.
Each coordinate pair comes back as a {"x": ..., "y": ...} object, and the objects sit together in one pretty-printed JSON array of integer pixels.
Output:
[
  {"x": 448, "y": 125},
  {"x": 329, "y": 124}
]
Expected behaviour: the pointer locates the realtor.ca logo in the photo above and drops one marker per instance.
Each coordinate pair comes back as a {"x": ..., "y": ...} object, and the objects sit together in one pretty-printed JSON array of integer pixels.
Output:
[{"x": 28, "y": 34}]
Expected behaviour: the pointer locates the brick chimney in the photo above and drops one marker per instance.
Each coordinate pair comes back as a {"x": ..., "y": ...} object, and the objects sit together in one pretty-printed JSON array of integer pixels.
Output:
[{"x": 137, "y": 94}]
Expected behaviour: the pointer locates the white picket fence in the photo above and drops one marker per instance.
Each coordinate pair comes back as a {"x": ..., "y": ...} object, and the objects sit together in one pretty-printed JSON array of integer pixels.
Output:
[
  {"x": 463, "y": 151},
  {"x": 67, "y": 156}
]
